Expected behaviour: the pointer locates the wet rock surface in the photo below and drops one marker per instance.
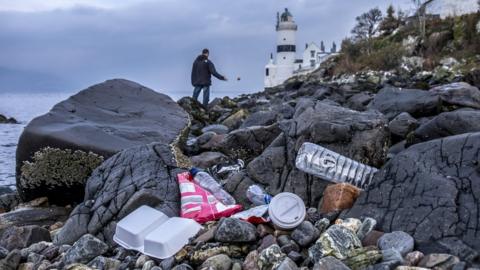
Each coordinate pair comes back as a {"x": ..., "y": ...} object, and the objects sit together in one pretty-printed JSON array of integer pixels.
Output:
[{"x": 423, "y": 191}]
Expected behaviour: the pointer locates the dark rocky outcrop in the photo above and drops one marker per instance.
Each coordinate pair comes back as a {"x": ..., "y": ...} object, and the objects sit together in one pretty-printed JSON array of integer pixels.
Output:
[
  {"x": 459, "y": 94},
  {"x": 393, "y": 101},
  {"x": 249, "y": 142},
  {"x": 33, "y": 216},
  {"x": 362, "y": 136},
  {"x": 430, "y": 191},
  {"x": 447, "y": 124},
  {"x": 104, "y": 119},
  {"x": 144, "y": 175},
  {"x": 7, "y": 120}
]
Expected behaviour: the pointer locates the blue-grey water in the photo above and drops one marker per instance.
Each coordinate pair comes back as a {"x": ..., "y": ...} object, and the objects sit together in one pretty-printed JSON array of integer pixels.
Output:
[{"x": 23, "y": 107}]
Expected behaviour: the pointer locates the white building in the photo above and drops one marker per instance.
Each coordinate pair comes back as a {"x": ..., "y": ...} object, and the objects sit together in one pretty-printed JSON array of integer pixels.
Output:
[
  {"x": 446, "y": 8},
  {"x": 285, "y": 64}
]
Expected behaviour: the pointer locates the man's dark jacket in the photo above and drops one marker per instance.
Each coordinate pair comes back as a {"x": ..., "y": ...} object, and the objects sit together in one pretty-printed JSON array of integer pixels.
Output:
[{"x": 202, "y": 72}]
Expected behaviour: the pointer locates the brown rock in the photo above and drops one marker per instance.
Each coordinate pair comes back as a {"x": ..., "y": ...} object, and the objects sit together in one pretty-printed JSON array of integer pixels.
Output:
[
  {"x": 338, "y": 197},
  {"x": 264, "y": 229},
  {"x": 266, "y": 242},
  {"x": 439, "y": 261},
  {"x": 251, "y": 260},
  {"x": 206, "y": 236},
  {"x": 371, "y": 238},
  {"x": 413, "y": 258}
]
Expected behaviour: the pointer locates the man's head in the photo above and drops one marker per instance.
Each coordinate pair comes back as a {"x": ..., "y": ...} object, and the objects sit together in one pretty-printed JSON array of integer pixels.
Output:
[{"x": 205, "y": 52}]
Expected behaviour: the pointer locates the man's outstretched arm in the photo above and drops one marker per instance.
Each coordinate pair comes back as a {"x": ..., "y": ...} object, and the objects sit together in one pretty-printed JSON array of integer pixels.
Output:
[{"x": 214, "y": 72}]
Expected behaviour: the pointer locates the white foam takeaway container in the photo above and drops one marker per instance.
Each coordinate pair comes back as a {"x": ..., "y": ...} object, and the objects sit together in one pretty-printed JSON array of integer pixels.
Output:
[
  {"x": 170, "y": 237},
  {"x": 153, "y": 233}
]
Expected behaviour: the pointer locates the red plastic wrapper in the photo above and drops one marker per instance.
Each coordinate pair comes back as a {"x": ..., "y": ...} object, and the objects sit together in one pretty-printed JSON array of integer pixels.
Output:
[{"x": 199, "y": 204}]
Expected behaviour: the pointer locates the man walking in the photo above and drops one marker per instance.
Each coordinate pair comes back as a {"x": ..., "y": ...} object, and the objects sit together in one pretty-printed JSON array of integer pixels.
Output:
[{"x": 202, "y": 72}]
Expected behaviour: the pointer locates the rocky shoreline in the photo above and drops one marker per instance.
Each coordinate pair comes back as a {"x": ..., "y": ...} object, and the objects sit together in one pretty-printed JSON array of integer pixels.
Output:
[
  {"x": 420, "y": 211},
  {"x": 7, "y": 120}
]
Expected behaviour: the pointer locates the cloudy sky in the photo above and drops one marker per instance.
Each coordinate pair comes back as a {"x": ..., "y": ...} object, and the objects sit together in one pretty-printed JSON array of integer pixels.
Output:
[{"x": 67, "y": 45}]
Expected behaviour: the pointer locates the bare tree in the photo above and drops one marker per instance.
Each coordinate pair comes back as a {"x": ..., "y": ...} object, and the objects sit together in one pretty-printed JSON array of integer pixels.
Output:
[
  {"x": 367, "y": 24},
  {"x": 421, "y": 13}
]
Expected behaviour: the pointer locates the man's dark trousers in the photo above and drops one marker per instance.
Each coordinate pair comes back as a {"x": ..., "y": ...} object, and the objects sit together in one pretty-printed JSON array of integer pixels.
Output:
[{"x": 206, "y": 94}]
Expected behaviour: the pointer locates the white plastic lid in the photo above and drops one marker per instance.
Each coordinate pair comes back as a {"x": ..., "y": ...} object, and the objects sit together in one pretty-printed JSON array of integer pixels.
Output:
[{"x": 287, "y": 210}]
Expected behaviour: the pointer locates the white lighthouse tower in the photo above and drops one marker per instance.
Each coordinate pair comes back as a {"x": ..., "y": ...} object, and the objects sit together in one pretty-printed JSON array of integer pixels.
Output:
[{"x": 276, "y": 72}]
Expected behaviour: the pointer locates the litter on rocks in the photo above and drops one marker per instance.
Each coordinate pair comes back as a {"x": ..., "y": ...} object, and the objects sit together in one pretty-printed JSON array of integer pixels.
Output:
[
  {"x": 199, "y": 204},
  {"x": 145, "y": 230},
  {"x": 254, "y": 215},
  {"x": 257, "y": 195},
  {"x": 331, "y": 166},
  {"x": 286, "y": 210},
  {"x": 223, "y": 170},
  {"x": 207, "y": 182}
]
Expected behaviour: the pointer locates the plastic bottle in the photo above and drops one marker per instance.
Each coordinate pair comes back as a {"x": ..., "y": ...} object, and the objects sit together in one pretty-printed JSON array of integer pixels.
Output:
[
  {"x": 207, "y": 182},
  {"x": 328, "y": 165},
  {"x": 257, "y": 195}
]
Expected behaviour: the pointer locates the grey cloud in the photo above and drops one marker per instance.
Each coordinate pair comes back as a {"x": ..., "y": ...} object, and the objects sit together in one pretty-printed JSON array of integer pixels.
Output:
[{"x": 154, "y": 43}]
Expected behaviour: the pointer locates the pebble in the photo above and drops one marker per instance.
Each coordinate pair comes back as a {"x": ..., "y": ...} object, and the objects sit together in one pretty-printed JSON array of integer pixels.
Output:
[
  {"x": 251, "y": 261},
  {"x": 283, "y": 240},
  {"x": 168, "y": 263},
  {"x": 264, "y": 229},
  {"x": 141, "y": 261},
  {"x": 350, "y": 223},
  {"x": 330, "y": 263},
  {"x": 270, "y": 258},
  {"x": 336, "y": 241},
  {"x": 287, "y": 264},
  {"x": 217, "y": 262},
  {"x": 295, "y": 256},
  {"x": 305, "y": 234},
  {"x": 367, "y": 226},
  {"x": 439, "y": 261},
  {"x": 266, "y": 242},
  {"x": 413, "y": 258},
  {"x": 292, "y": 246},
  {"x": 371, "y": 238},
  {"x": 84, "y": 250},
  {"x": 322, "y": 225},
  {"x": 397, "y": 240},
  {"x": 232, "y": 230},
  {"x": 148, "y": 265}
]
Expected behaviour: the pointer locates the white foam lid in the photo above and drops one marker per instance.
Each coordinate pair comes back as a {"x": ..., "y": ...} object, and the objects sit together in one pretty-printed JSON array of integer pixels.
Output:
[
  {"x": 170, "y": 237},
  {"x": 287, "y": 210},
  {"x": 152, "y": 232}
]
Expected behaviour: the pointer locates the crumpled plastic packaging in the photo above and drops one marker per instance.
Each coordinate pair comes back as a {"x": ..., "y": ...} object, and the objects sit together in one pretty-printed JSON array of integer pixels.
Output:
[
  {"x": 223, "y": 170},
  {"x": 199, "y": 204},
  {"x": 255, "y": 215}
]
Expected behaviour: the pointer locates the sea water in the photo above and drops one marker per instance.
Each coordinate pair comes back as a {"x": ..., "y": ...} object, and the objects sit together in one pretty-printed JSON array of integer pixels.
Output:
[{"x": 23, "y": 107}]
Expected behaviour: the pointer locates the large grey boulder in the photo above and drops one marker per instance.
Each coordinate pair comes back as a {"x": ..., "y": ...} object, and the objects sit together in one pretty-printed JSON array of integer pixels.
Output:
[
  {"x": 448, "y": 124},
  {"x": 460, "y": 94},
  {"x": 143, "y": 175},
  {"x": 430, "y": 191},
  {"x": 362, "y": 136},
  {"x": 393, "y": 101},
  {"x": 104, "y": 119}
]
